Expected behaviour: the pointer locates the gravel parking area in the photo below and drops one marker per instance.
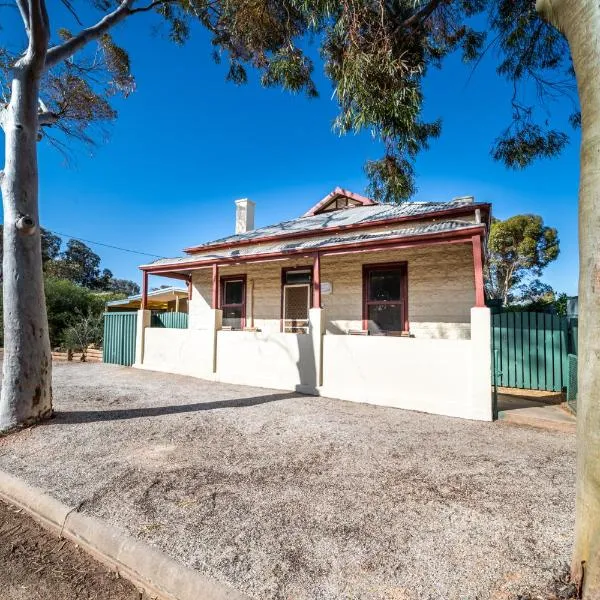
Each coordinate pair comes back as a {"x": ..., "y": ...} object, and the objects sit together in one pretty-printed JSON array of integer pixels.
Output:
[{"x": 286, "y": 496}]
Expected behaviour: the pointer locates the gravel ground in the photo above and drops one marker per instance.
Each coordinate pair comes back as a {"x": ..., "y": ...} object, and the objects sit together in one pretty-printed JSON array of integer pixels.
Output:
[
  {"x": 295, "y": 497},
  {"x": 38, "y": 566}
]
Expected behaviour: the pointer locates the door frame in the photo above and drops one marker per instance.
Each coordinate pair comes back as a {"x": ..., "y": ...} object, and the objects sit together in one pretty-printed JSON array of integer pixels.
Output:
[
  {"x": 224, "y": 279},
  {"x": 284, "y": 271}
]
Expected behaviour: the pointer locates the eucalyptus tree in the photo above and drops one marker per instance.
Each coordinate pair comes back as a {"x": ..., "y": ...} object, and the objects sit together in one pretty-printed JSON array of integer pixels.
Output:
[
  {"x": 579, "y": 22},
  {"x": 519, "y": 249},
  {"x": 61, "y": 85},
  {"x": 376, "y": 54}
]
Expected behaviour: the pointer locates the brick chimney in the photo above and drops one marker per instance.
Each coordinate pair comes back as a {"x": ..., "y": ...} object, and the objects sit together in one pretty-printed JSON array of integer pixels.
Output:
[{"x": 244, "y": 215}]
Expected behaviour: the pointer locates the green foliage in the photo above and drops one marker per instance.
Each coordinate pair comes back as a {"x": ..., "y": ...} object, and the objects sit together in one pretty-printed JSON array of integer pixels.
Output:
[
  {"x": 520, "y": 148},
  {"x": 561, "y": 303},
  {"x": 65, "y": 300},
  {"x": 123, "y": 286},
  {"x": 547, "y": 302},
  {"x": 81, "y": 265},
  {"x": 86, "y": 259},
  {"x": 50, "y": 246},
  {"x": 118, "y": 65},
  {"x": 519, "y": 249},
  {"x": 375, "y": 52},
  {"x": 290, "y": 69},
  {"x": 532, "y": 54},
  {"x": 85, "y": 329}
]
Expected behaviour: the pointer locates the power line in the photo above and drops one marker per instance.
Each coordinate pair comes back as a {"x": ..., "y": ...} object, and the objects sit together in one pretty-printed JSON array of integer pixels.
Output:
[{"x": 105, "y": 245}]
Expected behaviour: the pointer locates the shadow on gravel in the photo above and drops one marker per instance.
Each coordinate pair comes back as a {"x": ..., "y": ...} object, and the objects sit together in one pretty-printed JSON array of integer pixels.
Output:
[{"x": 89, "y": 416}]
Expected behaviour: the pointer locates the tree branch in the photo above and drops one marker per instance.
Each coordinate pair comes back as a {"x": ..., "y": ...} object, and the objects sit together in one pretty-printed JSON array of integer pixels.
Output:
[
  {"x": 47, "y": 118},
  {"x": 65, "y": 50},
  {"x": 71, "y": 9},
  {"x": 39, "y": 33},
  {"x": 24, "y": 10},
  {"x": 149, "y": 7},
  {"x": 423, "y": 14}
]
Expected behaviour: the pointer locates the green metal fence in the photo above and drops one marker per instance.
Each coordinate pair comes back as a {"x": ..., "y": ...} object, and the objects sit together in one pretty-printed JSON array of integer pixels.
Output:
[
  {"x": 119, "y": 338},
  {"x": 171, "y": 320},
  {"x": 573, "y": 334},
  {"x": 532, "y": 350},
  {"x": 496, "y": 374},
  {"x": 572, "y": 383}
]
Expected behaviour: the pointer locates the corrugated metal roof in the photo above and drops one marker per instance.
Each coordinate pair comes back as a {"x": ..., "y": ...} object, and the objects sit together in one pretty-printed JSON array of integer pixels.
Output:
[
  {"x": 316, "y": 243},
  {"x": 342, "y": 218},
  {"x": 169, "y": 291}
]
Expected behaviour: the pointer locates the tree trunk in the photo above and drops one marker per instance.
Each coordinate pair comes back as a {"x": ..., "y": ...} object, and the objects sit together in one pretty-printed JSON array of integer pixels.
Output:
[
  {"x": 26, "y": 385},
  {"x": 580, "y": 22}
]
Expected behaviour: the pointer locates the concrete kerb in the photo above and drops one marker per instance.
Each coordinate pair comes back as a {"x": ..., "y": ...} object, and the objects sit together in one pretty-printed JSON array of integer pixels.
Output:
[{"x": 143, "y": 565}]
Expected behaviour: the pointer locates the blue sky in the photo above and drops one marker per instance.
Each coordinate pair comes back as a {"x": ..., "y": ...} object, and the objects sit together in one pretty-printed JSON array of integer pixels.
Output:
[{"x": 187, "y": 144}]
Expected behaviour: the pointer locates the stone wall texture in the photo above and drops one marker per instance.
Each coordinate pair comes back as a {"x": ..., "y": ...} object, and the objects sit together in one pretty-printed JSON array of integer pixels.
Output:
[{"x": 441, "y": 290}]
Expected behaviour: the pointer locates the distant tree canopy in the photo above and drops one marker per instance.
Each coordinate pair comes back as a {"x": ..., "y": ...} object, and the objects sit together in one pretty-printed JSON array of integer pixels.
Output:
[
  {"x": 539, "y": 297},
  {"x": 50, "y": 245},
  {"x": 519, "y": 248},
  {"x": 123, "y": 286},
  {"x": 75, "y": 287},
  {"x": 79, "y": 264}
]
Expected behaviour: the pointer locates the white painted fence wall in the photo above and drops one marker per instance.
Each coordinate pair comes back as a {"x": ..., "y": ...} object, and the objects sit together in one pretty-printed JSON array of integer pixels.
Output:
[
  {"x": 272, "y": 360},
  {"x": 445, "y": 376},
  {"x": 426, "y": 375},
  {"x": 181, "y": 351}
]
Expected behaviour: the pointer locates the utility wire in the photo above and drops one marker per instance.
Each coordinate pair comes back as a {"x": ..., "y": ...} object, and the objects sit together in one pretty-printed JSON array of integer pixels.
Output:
[{"x": 66, "y": 235}]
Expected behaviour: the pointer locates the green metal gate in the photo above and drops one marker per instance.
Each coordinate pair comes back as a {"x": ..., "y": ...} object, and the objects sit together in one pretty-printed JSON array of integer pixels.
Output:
[
  {"x": 531, "y": 350},
  {"x": 171, "y": 320},
  {"x": 119, "y": 338},
  {"x": 572, "y": 383}
]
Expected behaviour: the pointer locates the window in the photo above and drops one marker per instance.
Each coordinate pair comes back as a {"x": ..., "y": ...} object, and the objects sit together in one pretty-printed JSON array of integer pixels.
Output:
[
  {"x": 385, "y": 298},
  {"x": 233, "y": 301},
  {"x": 339, "y": 203},
  {"x": 297, "y": 276}
]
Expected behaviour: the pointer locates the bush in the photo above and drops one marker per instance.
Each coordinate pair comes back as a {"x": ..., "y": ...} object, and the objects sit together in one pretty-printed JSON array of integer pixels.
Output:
[
  {"x": 84, "y": 331},
  {"x": 66, "y": 302}
]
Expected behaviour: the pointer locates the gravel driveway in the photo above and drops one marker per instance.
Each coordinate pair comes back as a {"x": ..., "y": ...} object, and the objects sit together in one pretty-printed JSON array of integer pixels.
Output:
[{"x": 295, "y": 497}]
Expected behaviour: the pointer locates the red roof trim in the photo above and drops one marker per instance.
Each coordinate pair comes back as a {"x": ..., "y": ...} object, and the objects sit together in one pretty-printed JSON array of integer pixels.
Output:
[
  {"x": 455, "y": 236},
  {"x": 447, "y": 212},
  {"x": 338, "y": 193}
]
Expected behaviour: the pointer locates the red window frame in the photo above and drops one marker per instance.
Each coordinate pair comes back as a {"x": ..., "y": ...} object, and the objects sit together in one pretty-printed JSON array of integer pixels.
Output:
[
  {"x": 223, "y": 280},
  {"x": 366, "y": 272}
]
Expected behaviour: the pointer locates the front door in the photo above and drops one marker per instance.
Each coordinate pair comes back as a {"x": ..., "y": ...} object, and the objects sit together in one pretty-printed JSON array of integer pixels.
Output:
[{"x": 296, "y": 301}]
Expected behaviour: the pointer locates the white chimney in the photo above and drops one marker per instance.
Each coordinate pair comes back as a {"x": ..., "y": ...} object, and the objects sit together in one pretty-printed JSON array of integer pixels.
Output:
[
  {"x": 244, "y": 215},
  {"x": 464, "y": 199}
]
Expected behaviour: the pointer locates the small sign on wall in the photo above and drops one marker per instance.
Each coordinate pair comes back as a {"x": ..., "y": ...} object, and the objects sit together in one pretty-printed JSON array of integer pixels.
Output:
[{"x": 326, "y": 288}]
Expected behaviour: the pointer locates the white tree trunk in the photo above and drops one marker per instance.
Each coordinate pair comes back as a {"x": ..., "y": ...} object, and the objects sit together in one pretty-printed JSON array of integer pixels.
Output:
[
  {"x": 579, "y": 20},
  {"x": 26, "y": 385}
]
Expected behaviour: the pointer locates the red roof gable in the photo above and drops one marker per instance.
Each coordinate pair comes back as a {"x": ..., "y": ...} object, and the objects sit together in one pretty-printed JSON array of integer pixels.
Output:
[{"x": 324, "y": 204}]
